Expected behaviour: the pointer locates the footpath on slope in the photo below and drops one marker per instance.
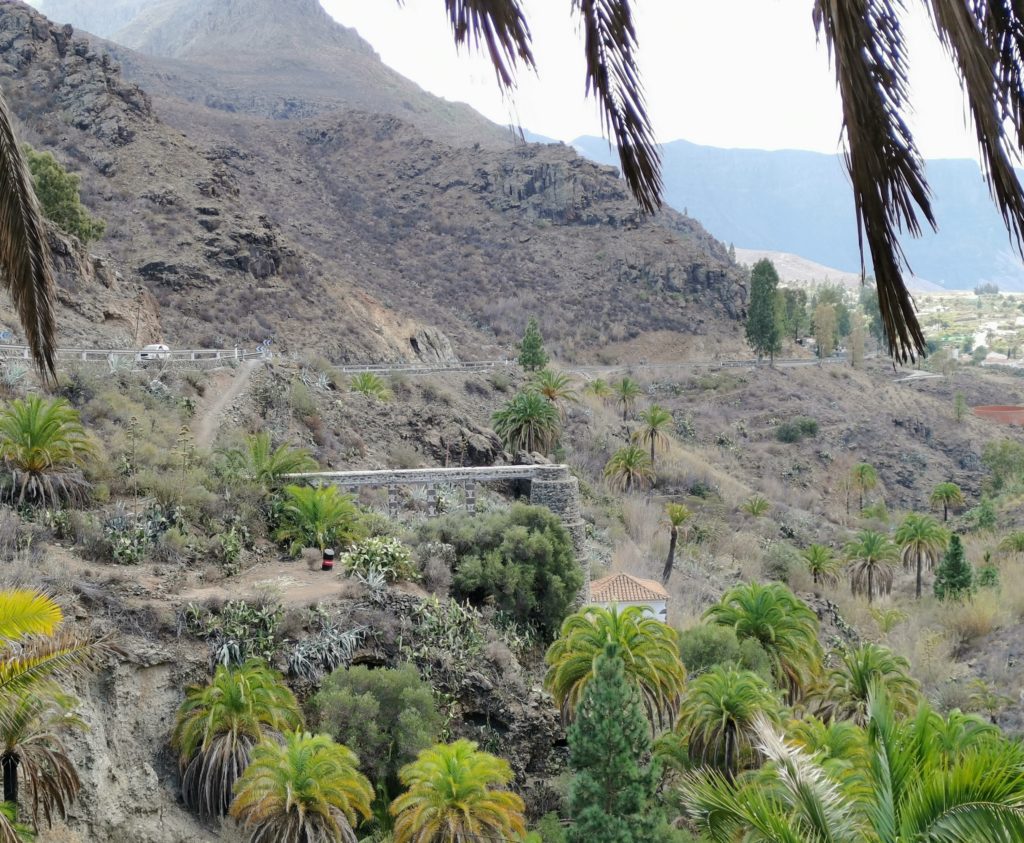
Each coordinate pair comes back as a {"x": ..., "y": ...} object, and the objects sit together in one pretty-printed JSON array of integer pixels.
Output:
[{"x": 224, "y": 387}]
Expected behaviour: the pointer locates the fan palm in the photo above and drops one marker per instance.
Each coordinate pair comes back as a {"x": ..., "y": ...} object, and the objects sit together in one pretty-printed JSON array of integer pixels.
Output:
[
  {"x": 317, "y": 517},
  {"x": 653, "y": 423},
  {"x": 822, "y": 564},
  {"x": 30, "y": 747},
  {"x": 648, "y": 647},
  {"x": 861, "y": 672},
  {"x": 43, "y": 446},
  {"x": 907, "y": 786},
  {"x": 266, "y": 465},
  {"x": 946, "y": 495},
  {"x": 301, "y": 790},
  {"x": 218, "y": 725},
  {"x": 718, "y": 714},
  {"x": 626, "y": 393},
  {"x": 922, "y": 541},
  {"x": 629, "y": 468},
  {"x": 528, "y": 422},
  {"x": 676, "y": 515},
  {"x": 784, "y": 626},
  {"x": 871, "y": 556},
  {"x": 556, "y": 387},
  {"x": 863, "y": 478},
  {"x": 456, "y": 794}
]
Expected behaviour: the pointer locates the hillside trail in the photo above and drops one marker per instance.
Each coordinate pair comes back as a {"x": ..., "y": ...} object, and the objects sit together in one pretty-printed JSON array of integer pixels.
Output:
[{"x": 224, "y": 387}]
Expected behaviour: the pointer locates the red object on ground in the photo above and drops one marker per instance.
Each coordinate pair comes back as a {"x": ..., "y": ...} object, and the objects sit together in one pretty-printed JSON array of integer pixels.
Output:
[
  {"x": 328, "y": 563},
  {"x": 1001, "y": 413}
]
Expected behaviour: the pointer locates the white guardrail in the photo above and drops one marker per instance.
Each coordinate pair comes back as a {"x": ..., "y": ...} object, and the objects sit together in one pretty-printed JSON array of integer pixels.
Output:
[{"x": 140, "y": 355}]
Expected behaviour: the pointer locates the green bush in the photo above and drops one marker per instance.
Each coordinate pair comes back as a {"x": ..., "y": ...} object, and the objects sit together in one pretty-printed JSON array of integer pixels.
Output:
[
  {"x": 520, "y": 560},
  {"x": 796, "y": 429},
  {"x": 706, "y": 646},
  {"x": 388, "y": 556},
  {"x": 57, "y": 191},
  {"x": 1005, "y": 460},
  {"x": 386, "y": 716}
]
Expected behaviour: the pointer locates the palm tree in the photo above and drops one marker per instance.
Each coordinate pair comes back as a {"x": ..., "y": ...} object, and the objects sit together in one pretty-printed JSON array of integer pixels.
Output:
[
  {"x": 783, "y": 624},
  {"x": 922, "y": 541},
  {"x": 599, "y": 388},
  {"x": 370, "y": 385},
  {"x": 756, "y": 505},
  {"x": 861, "y": 672},
  {"x": 909, "y": 784},
  {"x": 629, "y": 468},
  {"x": 653, "y": 422},
  {"x": 871, "y": 557},
  {"x": 718, "y": 714},
  {"x": 301, "y": 790},
  {"x": 649, "y": 649},
  {"x": 220, "y": 723},
  {"x": 946, "y": 495},
  {"x": 822, "y": 564},
  {"x": 863, "y": 478},
  {"x": 556, "y": 387},
  {"x": 455, "y": 795},
  {"x": 320, "y": 517},
  {"x": 626, "y": 392},
  {"x": 528, "y": 422},
  {"x": 676, "y": 515},
  {"x": 43, "y": 446},
  {"x": 266, "y": 465},
  {"x": 30, "y": 746}
]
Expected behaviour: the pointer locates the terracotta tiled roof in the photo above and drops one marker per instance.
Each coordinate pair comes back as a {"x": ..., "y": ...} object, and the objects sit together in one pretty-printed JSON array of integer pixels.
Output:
[{"x": 625, "y": 588}]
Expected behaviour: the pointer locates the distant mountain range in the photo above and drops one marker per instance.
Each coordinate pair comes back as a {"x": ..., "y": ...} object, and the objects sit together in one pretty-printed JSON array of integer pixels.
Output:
[{"x": 801, "y": 202}]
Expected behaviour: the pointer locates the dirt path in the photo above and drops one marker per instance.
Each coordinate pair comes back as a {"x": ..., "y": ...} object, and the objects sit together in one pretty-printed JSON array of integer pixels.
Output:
[{"x": 222, "y": 390}]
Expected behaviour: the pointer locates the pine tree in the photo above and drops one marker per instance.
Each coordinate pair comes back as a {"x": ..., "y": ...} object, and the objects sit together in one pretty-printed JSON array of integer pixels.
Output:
[
  {"x": 611, "y": 799},
  {"x": 531, "y": 350},
  {"x": 954, "y": 577},
  {"x": 763, "y": 334}
]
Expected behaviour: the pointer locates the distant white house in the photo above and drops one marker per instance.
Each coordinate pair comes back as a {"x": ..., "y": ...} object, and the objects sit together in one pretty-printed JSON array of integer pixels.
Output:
[{"x": 621, "y": 590}]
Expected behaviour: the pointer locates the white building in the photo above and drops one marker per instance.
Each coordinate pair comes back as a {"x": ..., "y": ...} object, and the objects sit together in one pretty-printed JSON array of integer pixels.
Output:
[{"x": 622, "y": 590}]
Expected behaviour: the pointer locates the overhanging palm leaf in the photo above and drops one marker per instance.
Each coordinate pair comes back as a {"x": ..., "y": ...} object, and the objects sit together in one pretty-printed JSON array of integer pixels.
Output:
[
  {"x": 24, "y": 251},
  {"x": 28, "y": 612},
  {"x": 501, "y": 25}
]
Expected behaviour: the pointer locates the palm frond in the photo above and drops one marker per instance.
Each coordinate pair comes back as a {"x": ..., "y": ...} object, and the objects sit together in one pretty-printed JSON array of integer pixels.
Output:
[
  {"x": 614, "y": 79},
  {"x": 24, "y": 250},
  {"x": 501, "y": 26},
  {"x": 865, "y": 41},
  {"x": 28, "y": 612}
]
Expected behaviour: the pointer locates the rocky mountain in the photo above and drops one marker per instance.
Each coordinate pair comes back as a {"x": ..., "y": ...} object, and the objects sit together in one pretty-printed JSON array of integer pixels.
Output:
[
  {"x": 347, "y": 232},
  {"x": 800, "y": 202}
]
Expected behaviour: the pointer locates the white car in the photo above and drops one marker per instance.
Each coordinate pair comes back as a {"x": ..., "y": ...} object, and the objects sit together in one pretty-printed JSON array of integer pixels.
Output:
[{"x": 155, "y": 351}]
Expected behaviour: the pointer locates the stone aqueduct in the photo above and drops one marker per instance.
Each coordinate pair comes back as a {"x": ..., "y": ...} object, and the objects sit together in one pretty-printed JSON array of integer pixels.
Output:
[{"x": 552, "y": 486}]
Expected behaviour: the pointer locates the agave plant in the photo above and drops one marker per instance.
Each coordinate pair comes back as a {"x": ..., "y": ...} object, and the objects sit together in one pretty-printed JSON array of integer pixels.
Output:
[{"x": 43, "y": 446}]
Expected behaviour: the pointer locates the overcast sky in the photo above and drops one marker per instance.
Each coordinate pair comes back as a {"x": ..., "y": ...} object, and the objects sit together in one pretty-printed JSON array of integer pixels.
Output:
[{"x": 732, "y": 73}]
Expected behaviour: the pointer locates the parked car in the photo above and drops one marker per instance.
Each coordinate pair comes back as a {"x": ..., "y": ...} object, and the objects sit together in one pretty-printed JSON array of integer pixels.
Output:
[{"x": 155, "y": 351}]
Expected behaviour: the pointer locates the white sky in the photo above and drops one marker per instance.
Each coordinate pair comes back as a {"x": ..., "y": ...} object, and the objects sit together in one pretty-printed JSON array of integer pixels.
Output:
[{"x": 731, "y": 73}]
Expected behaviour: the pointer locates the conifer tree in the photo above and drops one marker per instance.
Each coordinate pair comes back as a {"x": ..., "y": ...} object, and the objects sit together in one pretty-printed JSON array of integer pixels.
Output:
[
  {"x": 611, "y": 798},
  {"x": 532, "y": 355},
  {"x": 763, "y": 334},
  {"x": 954, "y": 577}
]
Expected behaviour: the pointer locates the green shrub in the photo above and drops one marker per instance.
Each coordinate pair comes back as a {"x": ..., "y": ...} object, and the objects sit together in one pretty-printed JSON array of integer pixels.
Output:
[
  {"x": 987, "y": 576},
  {"x": 386, "y": 716},
  {"x": 520, "y": 560},
  {"x": 388, "y": 556},
  {"x": 796, "y": 429},
  {"x": 58, "y": 194},
  {"x": 983, "y": 516},
  {"x": 550, "y": 829},
  {"x": 706, "y": 646},
  {"x": 1005, "y": 461}
]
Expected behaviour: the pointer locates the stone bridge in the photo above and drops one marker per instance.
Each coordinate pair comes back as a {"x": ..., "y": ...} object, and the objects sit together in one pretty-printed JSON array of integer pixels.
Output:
[{"x": 552, "y": 486}]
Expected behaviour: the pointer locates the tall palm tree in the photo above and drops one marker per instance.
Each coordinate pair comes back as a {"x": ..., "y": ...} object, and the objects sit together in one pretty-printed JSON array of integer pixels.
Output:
[
  {"x": 871, "y": 557},
  {"x": 301, "y": 790},
  {"x": 31, "y": 747},
  {"x": 676, "y": 515},
  {"x": 267, "y": 465},
  {"x": 455, "y": 795},
  {"x": 946, "y": 495},
  {"x": 648, "y": 647},
  {"x": 922, "y": 541},
  {"x": 629, "y": 469},
  {"x": 653, "y": 423},
  {"x": 907, "y": 786},
  {"x": 318, "y": 517},
  {"x": 863, "y": 478},
  {"x": 557, "y": 387},
  {"x": 718, "y": 714},
  {"x": 220, "y": 723},
  {"x": 527, "y": 422},
  {"x": 626, "y": 392},
  {"x": 861, "y": 672},
  {"x": 43, "y": 446},
  {"x": 822, "y": 564},
  {"x": 784, "y": 626}
]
